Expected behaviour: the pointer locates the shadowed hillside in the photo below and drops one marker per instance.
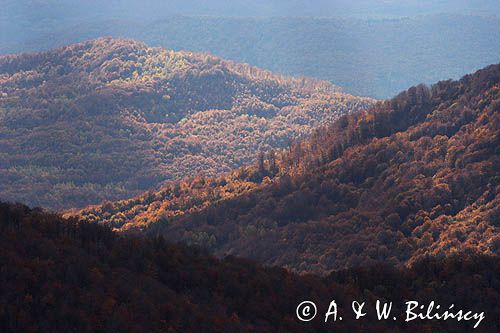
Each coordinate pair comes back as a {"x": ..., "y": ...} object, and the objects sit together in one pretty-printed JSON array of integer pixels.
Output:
[{"x": 60, "y": 275}]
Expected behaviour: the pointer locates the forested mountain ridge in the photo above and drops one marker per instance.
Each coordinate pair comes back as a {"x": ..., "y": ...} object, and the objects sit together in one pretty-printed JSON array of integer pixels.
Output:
[
  {"x": 367, "y": 57},
  {"x": 111, "y": 118},
  {"x": 62, "y": 275},
  {"x": 412, "y": 177}
]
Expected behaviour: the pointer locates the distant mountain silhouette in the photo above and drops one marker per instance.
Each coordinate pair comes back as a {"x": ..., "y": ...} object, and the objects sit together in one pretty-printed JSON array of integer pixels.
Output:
[{"x": 367, "y": 57}]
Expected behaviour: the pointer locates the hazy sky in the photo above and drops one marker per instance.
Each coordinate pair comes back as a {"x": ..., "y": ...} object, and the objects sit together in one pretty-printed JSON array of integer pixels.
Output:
[{"x": 64, "y": 9}]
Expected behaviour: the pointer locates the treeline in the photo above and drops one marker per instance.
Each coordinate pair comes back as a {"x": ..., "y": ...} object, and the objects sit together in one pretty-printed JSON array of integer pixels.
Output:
[
  {"x": 411, "y": 177},
  {"x": 110, "y": 118},
  {"x": 65, "y": 275}
]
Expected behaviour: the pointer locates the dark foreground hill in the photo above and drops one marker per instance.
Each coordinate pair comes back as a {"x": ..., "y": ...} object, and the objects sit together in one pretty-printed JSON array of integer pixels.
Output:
[
  {"x": 414, "y": 176},
  {"x": 111, "y": 118},
  {"x": 65, "y": 276}
]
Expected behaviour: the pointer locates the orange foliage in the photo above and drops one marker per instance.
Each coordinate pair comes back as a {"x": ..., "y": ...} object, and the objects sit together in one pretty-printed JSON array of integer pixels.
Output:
[{"x": 413, "y": 176}]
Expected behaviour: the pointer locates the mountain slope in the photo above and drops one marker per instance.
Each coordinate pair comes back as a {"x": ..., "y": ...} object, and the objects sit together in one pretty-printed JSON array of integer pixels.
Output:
[
  {"x": 412, "y": 177},
  {"x": 110, "y": 118},
  {"x": 60, "y": 275}
]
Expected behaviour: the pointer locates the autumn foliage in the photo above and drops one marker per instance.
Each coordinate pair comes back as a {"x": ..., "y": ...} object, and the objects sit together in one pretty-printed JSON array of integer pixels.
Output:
[
  {"x": 111, "y": 118},
  {"x": 414, "y": 176}
]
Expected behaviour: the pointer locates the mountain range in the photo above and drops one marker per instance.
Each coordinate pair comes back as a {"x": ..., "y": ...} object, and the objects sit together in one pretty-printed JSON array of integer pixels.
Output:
[
  {"x": 234, "y": 166},
  {"x": 110, "y": 118},
  {"x": 412, "y": 177},
  {"x": 247, "y": 193}
]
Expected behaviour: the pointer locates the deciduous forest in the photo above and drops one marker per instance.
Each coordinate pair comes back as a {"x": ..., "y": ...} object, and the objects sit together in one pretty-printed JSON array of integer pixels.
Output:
[
  {"x": 110, "y": 118},
  {"x": 411, "y": 177},
  {"x": 237, "y": 166}
]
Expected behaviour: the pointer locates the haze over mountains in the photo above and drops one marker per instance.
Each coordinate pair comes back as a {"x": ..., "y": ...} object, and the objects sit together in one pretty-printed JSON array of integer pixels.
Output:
[
  {"x": 368, "y": 55},
  {"x": 71, "y": 9},
  {"x": 110, "y": 118},
  {"x": 412, "y": 177}
]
